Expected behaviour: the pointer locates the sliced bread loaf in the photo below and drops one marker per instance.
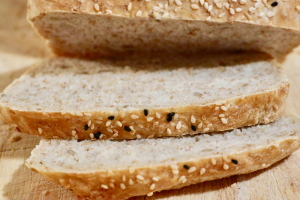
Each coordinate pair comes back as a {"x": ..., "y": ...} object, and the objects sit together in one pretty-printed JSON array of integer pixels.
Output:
[
  {"x": 119, "y": 170},
  {"x": 127, "y": 99},
  {"x": 114, "y": 27}
]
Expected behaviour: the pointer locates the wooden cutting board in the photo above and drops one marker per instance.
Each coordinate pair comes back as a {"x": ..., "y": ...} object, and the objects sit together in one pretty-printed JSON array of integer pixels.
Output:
[{"x": 21, "y": 47}]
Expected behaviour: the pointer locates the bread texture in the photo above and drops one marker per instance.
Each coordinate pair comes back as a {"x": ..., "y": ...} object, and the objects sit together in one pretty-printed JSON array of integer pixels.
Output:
[
  {"x": 121, "y": 169},
  {"x": 90, "y": 28},
  {"x": 129, "y": 99}
]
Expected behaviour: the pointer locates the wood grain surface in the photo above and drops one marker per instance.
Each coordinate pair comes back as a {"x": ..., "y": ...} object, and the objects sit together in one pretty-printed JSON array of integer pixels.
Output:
[{"x": 20, "y": 47}]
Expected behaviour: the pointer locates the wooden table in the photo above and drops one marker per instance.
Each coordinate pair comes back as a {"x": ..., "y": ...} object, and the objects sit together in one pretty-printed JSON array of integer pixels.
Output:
[{"x": 21, "y": 47}]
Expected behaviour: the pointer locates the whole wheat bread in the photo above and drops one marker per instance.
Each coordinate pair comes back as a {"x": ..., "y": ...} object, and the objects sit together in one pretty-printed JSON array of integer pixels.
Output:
[
  {"x": 114, "y": 27},
  {"x": 118, "y": 170},
  {"x": 139, "y": 98}
]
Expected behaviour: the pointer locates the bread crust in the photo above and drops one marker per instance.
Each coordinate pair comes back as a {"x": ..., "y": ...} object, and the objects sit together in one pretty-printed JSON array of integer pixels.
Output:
[
  {"x": 105, "y": 28},
  {"x": 107, "y": 184},
  {"x": 260, "y": 108}
]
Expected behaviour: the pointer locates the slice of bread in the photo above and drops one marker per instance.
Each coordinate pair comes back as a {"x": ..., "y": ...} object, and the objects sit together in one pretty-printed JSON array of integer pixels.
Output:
[
  {"x": 140, "y": 98},
  {"x": 114, "y": 27},
  {"x": 121, "y": 169}
]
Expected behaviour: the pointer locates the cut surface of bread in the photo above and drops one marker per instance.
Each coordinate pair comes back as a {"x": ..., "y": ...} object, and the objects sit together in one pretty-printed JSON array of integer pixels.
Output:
[
  {"x": 116, "y": 27},
  {"x": 121, "y": 169},
  {"x": 121, "y": 99}
]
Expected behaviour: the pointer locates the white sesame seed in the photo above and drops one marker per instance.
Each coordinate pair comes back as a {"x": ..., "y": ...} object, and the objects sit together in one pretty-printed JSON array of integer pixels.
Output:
[
  {"x": 217, "y": 108},
  {"x": 115, "y": 131},
  {"x": 73, "y": 132},
  {"x": 257, "y": 5},
  {"x": 238, "y": 10},
  {"x": 89, "y": 123},
  {"x": 131, "y": 170},
  {"x": 101, "y": 136},
  {"x": 155, "y": 179},
  {"x": 123, "y": 178},
  {"x": 213, "y": 161},
  {"x": 92, "y": 126},
  {"x": 178, "y": 125},
  {"x": 112, "y": 185},
  {"x": 122, "y": 186},
  {"x": 130, "y": 182},
  {"x": 129, "y": 7},
  {"x": 138, "y": 136},
  {"x": 149, "y": 119},
  {"x": 224, "y": 120},
  {"x": 182, "y": 179},
  {"x": 110, "y": 172},
  {"x": 194, "y": 6},
  {"x": 88, "y": 114},
  {"x": 134, "y": 117},
  {"x": 225, "y": 167},
  {"x": 108, "y": 11},
  {"x": 192, "y": 169},
  {"x": 78, "y": 114},
  {"x": 109, "y": 130},
  {"x": 232, "y": 11},
  {"x": 150, "y": 194},
  {"x": 169, "y": 132},
  {"x": 139, "y": 13},
  {"x": 219, "y": 5},
  {"x": 252, "y": 9},
  {"x": 209, "y": 125},
  {"x": 298, "y": 8},
  {"x": 227, "y": 7},
  {"x": 206, "y": 129},
  {"x": 176, "y": 116},
  {"x": 140, "y": 177},
  {"x": 157, "y": 115},
  {"x": 119, "y": 123},
  {"x": 221, "y": 15},
  {"x": 96, "y": 6},
  {"x": 210, "y": 7},
  {"x": 131, "y": 127},
  {"x": 91, "y": 135},
  {"x": 155, "y": 123},
  {"x": 115, "y": 135},
  {"x": 243, "y": 2},
  {"x": 174, "y": 167},
  {"x": 140, "y": 125},
  {"x": 152, "y": 186},
  {"x": 200, "y": 125},
  {"x": 202, "y": 171},
  {"x": 104, "y": 187},
  {"x": 40, "y": 130},
  {"x": 147, "y": 0},
  {"x": 177, "y": 9},
  {"x": 270, "y": 14},
  {"x": 221, "y": 115},
  {"x": 206, "y": 5},
  {"x": 166, "y": 6},
  {"x": 175, "y": 171},
  {"x": 223, "y": 108},
  {"x": 178, "y": 2},
  {"x": 208, "y": 18},
  {"x": 264, "y": 165},
  {"x": 234, "y": 1},
  {"x": 100, "y": 118},
  {"x": 202, "y": 2},
  {"x": 193, "y": 119},
  {"x": 156, "y": 8}
]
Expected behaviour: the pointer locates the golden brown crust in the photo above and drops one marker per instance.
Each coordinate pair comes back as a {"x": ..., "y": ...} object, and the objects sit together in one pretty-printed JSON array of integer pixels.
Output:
[
  {"x": 261, "y": 108},
  {"x": 116, "y": 184}
]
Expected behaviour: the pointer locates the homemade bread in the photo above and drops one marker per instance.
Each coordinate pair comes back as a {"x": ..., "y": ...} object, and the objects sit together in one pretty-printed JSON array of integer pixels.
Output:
[
  {"x": 109, "y": 170},
  {"x": 92, "y": 28},
  {"x": 139, "y": 98}
]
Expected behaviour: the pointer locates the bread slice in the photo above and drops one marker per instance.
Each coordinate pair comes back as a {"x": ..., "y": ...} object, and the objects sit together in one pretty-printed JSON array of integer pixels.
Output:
[
  {"x": 118, "y": 170},
  {"x": 139, "y": 98},
  {"x": 115, "y": 27}
]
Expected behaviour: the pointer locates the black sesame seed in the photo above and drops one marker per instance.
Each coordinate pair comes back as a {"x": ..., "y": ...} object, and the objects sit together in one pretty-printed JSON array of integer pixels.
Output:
[
  {"x": 97, "y": 135},
  {"x": 126, "y": 128},
  {"x": 86, "y": 127},
  {"x": 145, "y": 112},
  {"x": 193, "y": 128},
  {"x": 234, "y": 161},
  {"x": 170, "y": 116},
  {"x": 186, "y": 166},
  {"x": 111, "y": 117},
  {"x": 274, "y": 4}
]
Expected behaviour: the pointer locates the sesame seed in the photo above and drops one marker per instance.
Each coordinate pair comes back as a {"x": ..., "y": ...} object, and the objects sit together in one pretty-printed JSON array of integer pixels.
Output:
[
  {"x": 115, "y": 135},
  {"x": 111, "y": 118},
  {"x": 217, "y": 108},
  {"x": 134, "y": 117},
  {"x": 252, "y": 9},
  {"x": 126, "y": 128},
  {"x": 206, "y": 5},
  {"x": 157, "y": 115},
  {"x": 264, "y": 165},
  {"x": 192, "y": 169},
  {"x": 96, "y": 6},
  {"x": 140, "y": 125},
  {"x": 108, "y": 11},
  {"x": 202, "y": 171},
  {"x": 160, "y": 5},
  {"x": 227, "y": 7},
  {"x": 100, "y": 118},
  {"x": 104, "y": 187},
  {"x": 152, "y": 186},
  {"x": 232, "y": 11},
  {"x": 243, "y": 2},
  {"x": 193, "y": 128},
  {"x": 274, "y": 4},
  {"x": 138, "y": 136},
  {"x": 101, "y": 136},
  {"x": 209, "y": 125},
  {"x": 178, "y": 2},
  {"x": 225, "y": 167},
  {"x": 238, "y": 10},
  {"x": 223, "y": 108},
  {"x": 175, "y": 171},
  {"x": 123, "y": 178},
  {"x": 177, "y": 9},
  {"x": 73, "y": 132},
  {"x": 139, "y": 13},
  {"x": 186, "y": 167},
  {"x": 210, "y": 7},
  {"x": 129, "y": 7},
  {"x": 40, "y": 130},
  {"x": 130, "y": 182},
  {"x": 86, "y": 127},
  {"x": 213, "y": 161},
  {"x": 122, "y": 186},
  {"x": 146, "y": 112},
  {"x": 88, "y": 114},
  {"x": 109, "y": 130},
  {"x": 174, "y": 166},
  {"x": 131, "y": 127},
  {"x": 149, "y": 119},
  {"x": 140, "y": 177},
  {"x": 234, "y": 161},
  {"x": 169, "y": 132},
  {"x": 131, "y": 170},
  {"x": 119, "y": 123},
  {"x": 200, "y": 125},
  {"x": 219, "y": 5},
  {"x": 147, "y": 0},
  {"x": 156, "y": 8},
  {"x": 155, "y": 179},
  {"x": 97, "y": 135},
  {"x": 91, "y": 135},
  {"x": 92, "y": 126},
  {"x": 178, "y": 125},
  {"x": 208, "y": 18},
  {"x": 202, "y": 2},
  {"x": 176, "y": 116},
  {"x": 224, "y": 120},
  {"x": 182, "y": 179},
  {"x": 155, "y": 123},
  {"x": 112, "y": 185},
  {"x": 150, "y": 194},
  {"x": 270, "y": 14},
  {"x": 194, "y": 6},
  {"x": 79, "y": 114},
  {"x": 298, "y": 8},
  {"x": 206, "y": 129},
  {"x": 166, "y": 6},
  {"x": 257, "y": 5},
  {"x": 89, "y": 123},
  {"x": 234, "y": 0},
  {"x": 170, "y": 116}
]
